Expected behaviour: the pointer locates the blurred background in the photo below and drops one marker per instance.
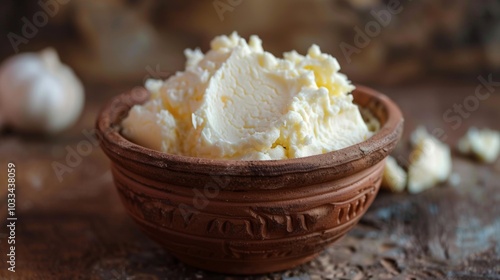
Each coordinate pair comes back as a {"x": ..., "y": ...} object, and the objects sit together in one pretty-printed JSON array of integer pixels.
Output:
[
  {"x": 426, "y": 55},
  {"x": 123, "y": 41}
]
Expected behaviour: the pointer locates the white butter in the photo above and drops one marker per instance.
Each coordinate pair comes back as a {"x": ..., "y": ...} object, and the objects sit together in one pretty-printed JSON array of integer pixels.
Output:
[
  {"x": 239, "y": 102},
  {"x": 484, "y": 144},
  {"x": 394, "y": 177},
  {"x": 430, "y": 162}
]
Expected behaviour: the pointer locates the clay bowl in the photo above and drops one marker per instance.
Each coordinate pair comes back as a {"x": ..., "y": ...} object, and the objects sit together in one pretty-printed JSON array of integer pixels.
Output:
[{"x": 248, "y": 217}]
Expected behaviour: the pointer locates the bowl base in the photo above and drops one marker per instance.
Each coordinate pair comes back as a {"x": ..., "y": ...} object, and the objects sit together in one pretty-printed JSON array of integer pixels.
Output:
[{"x": 245, "y": 267}]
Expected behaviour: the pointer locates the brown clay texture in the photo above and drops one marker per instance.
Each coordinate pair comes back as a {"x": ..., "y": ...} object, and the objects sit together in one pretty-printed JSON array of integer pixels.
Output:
[{"x": 248, "y": 217}]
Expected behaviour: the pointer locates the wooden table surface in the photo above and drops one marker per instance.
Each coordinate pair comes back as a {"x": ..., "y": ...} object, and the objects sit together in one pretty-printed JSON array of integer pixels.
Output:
[{"x": 76, "y": 228}]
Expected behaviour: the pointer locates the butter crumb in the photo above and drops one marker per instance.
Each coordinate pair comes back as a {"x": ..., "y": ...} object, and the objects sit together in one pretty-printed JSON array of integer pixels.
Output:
[
  {"x": 483, "y": 144},
  {"x": 430, "y": 162},
  {"x": 394, "y": 176}
]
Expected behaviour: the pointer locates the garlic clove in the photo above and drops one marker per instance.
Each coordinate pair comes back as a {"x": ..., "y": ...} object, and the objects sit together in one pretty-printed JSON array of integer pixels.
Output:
[
  {"x": 73, "y": 103},
  {"x": 44, "y": 105},
  {"x": 15, "y": 83}
]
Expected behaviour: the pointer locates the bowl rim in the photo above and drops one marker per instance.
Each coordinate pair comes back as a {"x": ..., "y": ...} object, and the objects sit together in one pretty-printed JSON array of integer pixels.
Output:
[{"x": 108, "y": 132}]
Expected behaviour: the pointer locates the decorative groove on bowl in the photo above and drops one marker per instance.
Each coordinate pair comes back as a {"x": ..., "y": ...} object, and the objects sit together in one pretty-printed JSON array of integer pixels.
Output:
[
  {"x": 220, "y": 249},
  {"x": 165, "y": 189},
  {"x": 251, "y": 220}
]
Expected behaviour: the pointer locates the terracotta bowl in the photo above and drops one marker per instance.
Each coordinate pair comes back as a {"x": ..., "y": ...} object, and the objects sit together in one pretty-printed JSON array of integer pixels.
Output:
[{"x": 247, "y": 217}]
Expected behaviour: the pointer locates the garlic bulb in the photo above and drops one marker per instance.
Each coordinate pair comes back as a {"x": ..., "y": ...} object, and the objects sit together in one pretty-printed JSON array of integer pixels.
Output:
[{"x": 38, "y": 93}]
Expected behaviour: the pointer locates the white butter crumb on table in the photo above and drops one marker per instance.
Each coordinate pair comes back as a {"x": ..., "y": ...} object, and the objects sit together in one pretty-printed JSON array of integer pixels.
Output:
[
  {"x": 394, "y": 177},
  {"x": 484, "y": 144},
  {"x": 430, "y": 162}
]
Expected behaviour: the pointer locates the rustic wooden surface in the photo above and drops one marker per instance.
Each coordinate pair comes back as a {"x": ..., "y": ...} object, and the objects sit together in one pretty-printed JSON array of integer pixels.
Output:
[{"x": 77, "y": 228}]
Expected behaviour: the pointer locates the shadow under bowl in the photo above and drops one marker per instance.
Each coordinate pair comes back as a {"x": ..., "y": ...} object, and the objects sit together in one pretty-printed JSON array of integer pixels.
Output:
[{"x": 248, "y": 217}]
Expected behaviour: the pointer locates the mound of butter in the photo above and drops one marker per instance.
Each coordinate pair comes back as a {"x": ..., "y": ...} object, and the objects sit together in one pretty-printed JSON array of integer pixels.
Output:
[{"x": 239, "y": 102}]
